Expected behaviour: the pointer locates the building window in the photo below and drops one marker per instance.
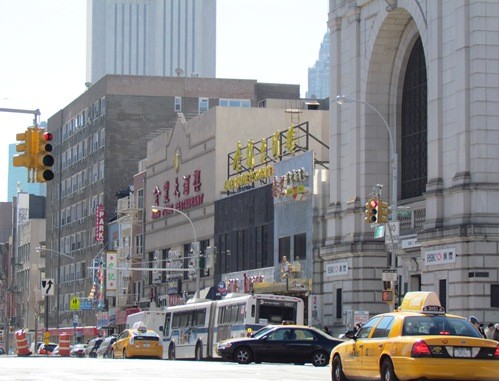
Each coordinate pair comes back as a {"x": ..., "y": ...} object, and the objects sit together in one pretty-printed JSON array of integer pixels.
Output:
[
  {"x": 203, "y": 105},
  {"x": 300, "y": 246},
  {"x": 442, "y": 292},
  {"x": 284, "y": 248},
  {"x": 178, "y": 104},
  {"x": 494, "y": 295},
  {"x": 339, "y": 303},
  {"x": 245, "y": 103},
  {"x": 414, "y": 125}
]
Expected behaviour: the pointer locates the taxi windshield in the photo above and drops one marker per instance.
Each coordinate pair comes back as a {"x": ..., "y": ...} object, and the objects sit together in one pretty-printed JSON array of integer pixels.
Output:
[{"x": 438, "y": 325}]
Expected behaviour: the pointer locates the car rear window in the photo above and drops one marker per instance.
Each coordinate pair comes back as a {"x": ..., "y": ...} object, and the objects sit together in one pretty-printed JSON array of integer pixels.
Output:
[
  {"x": 438, "y": 325},
  {"x": 149, "y": 336}
]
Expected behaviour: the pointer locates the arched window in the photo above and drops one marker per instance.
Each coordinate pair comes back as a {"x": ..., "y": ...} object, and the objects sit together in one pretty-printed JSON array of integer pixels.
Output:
[{"x": 414, "y": 158}]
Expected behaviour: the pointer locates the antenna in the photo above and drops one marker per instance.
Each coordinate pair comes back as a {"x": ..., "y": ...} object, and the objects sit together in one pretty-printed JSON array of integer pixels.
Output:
[{"x": 179, "y": 72}]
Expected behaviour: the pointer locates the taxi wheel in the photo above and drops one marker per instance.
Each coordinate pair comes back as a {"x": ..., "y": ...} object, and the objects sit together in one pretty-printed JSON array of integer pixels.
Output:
[
  {"x": 337, "y": 370},
  {"x": 387, "y": 371},
  {"x": 124, "y": 354},
  {"x": 171, "y": 352},
  {"x": 243, "y": 355},
  {"x": 320, "y": 358}
]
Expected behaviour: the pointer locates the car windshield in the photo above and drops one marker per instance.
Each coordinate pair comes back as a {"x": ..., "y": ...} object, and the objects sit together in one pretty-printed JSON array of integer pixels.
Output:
[
  {"x": 261, "y": 332},
  {"x": 438, "y": 325}
]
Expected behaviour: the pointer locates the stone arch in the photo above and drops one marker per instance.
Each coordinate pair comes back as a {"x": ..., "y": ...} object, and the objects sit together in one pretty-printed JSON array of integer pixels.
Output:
[{"x": 389, "y": 43}]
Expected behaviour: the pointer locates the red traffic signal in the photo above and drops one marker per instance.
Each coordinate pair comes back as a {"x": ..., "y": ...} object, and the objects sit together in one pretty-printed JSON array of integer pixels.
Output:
[
  {"x": 371, "y": 212},
  {"x": 43, "y": 158}
]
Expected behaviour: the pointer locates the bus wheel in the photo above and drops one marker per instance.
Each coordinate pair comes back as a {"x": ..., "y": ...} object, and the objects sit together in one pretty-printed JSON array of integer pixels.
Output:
[
  {"x": 199, "y": 352},
  {"x": 243, "y": 355},
  {"x": 171, "y": 352}
]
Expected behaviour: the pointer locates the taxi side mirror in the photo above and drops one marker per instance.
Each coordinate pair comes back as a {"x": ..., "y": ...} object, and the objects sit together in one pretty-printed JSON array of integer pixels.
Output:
[{"x": 351, "y": 334}]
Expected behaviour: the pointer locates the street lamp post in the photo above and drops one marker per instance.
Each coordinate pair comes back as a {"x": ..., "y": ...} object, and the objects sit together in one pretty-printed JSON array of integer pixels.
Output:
[
  {"x": 340, "y": 99},
  {"x": 156, "y": 209}
]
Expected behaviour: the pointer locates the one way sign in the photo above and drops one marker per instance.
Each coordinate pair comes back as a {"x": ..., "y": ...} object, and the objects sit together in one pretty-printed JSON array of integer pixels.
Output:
[{"x": 48, "y": 287}]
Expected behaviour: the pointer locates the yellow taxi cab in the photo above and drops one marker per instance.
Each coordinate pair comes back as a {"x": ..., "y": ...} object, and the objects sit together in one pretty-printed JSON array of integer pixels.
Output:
[
  {"x": 416, "y": 341},
  {"x": 138, "y": 342}
]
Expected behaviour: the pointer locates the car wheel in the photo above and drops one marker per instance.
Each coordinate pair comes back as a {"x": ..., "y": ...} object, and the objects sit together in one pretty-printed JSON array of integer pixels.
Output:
[
  {"x": 320, "y": 358},
  {"x": 171, "y": 352},
  {"x": 199, "y": 352},
  {"x": 387, "y": 371},
  {"x": 337, "y": 370},
  {"x": 124, "y": 354},
  {"x": 243, "y": 355}
]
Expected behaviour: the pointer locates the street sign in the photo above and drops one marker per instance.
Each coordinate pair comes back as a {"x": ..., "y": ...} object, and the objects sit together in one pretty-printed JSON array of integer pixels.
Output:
[
  {"x": 379, "y": 231},
  {"x": 389, "y": 276},
  {"x": 394, "y": 236},
  {"x": 47, "y": 287},
  {"x": 46, "y": 338},
  {"x": 74, "y": 304}
]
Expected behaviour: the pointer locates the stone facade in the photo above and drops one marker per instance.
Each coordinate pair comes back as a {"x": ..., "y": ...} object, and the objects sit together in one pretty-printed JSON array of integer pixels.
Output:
[{"x": 452, "y": 232}]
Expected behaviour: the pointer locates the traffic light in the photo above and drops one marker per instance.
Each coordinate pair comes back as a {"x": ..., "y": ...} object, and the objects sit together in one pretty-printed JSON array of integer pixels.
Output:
[
  {"x": 202, "y": 262},
  {"x": 24, "y": 146},
  {"x": 371, "y": 212},
  {"x": 387, "y": 296},
  {"x": 382, "y": 212},
  {"x": 42, "y": 157}
]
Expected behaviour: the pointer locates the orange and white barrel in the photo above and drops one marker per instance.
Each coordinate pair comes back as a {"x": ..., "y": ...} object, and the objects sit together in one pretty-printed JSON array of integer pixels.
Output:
[
  {"x": 22, "y": 343},
  {"x": 64, "y": 347}
]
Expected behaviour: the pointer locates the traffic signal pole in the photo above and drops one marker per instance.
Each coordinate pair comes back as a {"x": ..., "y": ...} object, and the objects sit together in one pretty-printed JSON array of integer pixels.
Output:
[{"x": 36, "y": 113}]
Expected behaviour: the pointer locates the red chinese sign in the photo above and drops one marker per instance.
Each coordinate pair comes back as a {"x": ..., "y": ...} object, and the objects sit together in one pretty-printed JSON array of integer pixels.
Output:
[
  {"x": 179, "y": 187},
  {"x": 99, "y": 223}
]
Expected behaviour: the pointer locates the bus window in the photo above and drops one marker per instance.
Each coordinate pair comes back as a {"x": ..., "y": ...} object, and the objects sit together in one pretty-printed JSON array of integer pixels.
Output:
[
  {"x": 227, "y": 315},
  {"x": 240, "y": 313},
  {"x": 201, "y": 317},
  {"x": 166, "y": 329},
  {"x": 176, "y": 321}
]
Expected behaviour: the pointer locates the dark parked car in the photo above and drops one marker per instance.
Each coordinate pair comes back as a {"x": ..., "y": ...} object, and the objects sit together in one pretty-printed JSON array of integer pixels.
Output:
[
  {"x": 281, "y": 343},
  {"x": 105, "y": 350},
  {"x": 92, "y": 346}
]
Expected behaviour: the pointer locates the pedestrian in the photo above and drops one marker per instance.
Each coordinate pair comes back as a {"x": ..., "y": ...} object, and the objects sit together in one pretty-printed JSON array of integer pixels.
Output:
[
  {"x": 326, "y": 330},
  {"x": 496, "y": 332},
  {"x": 489, "y": 331},
  {"x": 474, "y": 320}
]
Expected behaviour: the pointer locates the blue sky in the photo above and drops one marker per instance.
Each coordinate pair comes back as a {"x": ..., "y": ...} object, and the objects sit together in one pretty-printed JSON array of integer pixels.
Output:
[{"x": 43, "y": 46}]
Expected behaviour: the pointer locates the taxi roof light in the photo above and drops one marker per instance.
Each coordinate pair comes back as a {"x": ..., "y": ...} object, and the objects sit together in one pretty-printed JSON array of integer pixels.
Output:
[{"x": 422, "y": 301}]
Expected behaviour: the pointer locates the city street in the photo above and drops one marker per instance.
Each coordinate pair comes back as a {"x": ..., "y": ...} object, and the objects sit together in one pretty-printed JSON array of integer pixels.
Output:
[{"x": 15, "y": 368}]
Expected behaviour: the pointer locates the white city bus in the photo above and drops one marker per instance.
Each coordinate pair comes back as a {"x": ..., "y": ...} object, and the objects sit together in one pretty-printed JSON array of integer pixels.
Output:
[{"x": 193, "y": 330}]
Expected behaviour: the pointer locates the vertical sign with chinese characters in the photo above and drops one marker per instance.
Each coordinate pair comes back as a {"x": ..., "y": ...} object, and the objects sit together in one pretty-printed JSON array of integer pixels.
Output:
[
  {"x": 99, "y": 223},
  {"x": 111, "y": 272}
]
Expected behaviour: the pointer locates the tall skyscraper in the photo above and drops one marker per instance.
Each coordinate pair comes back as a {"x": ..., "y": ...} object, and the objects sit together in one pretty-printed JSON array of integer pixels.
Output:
[
  {"x": 318, "y": 76},
  {"x": 18, "y": 179},
  {"x": 151, "y": 37}
]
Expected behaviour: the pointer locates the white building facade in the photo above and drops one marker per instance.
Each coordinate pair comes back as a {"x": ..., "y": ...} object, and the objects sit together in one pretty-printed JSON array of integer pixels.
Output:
[
  {"x": 430, "y": 69},
  {"x": 151, "y": 37}
]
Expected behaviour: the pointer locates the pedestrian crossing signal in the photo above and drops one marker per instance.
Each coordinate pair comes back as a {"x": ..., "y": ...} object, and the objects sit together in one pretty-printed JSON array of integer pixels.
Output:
[{"x": 387, "y": 296}]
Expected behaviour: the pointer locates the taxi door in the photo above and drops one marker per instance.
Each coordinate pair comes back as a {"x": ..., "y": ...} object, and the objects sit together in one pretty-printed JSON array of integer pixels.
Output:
[
  {"x": 373, "y": 346},
  {"x": 353, "y": 361}
]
